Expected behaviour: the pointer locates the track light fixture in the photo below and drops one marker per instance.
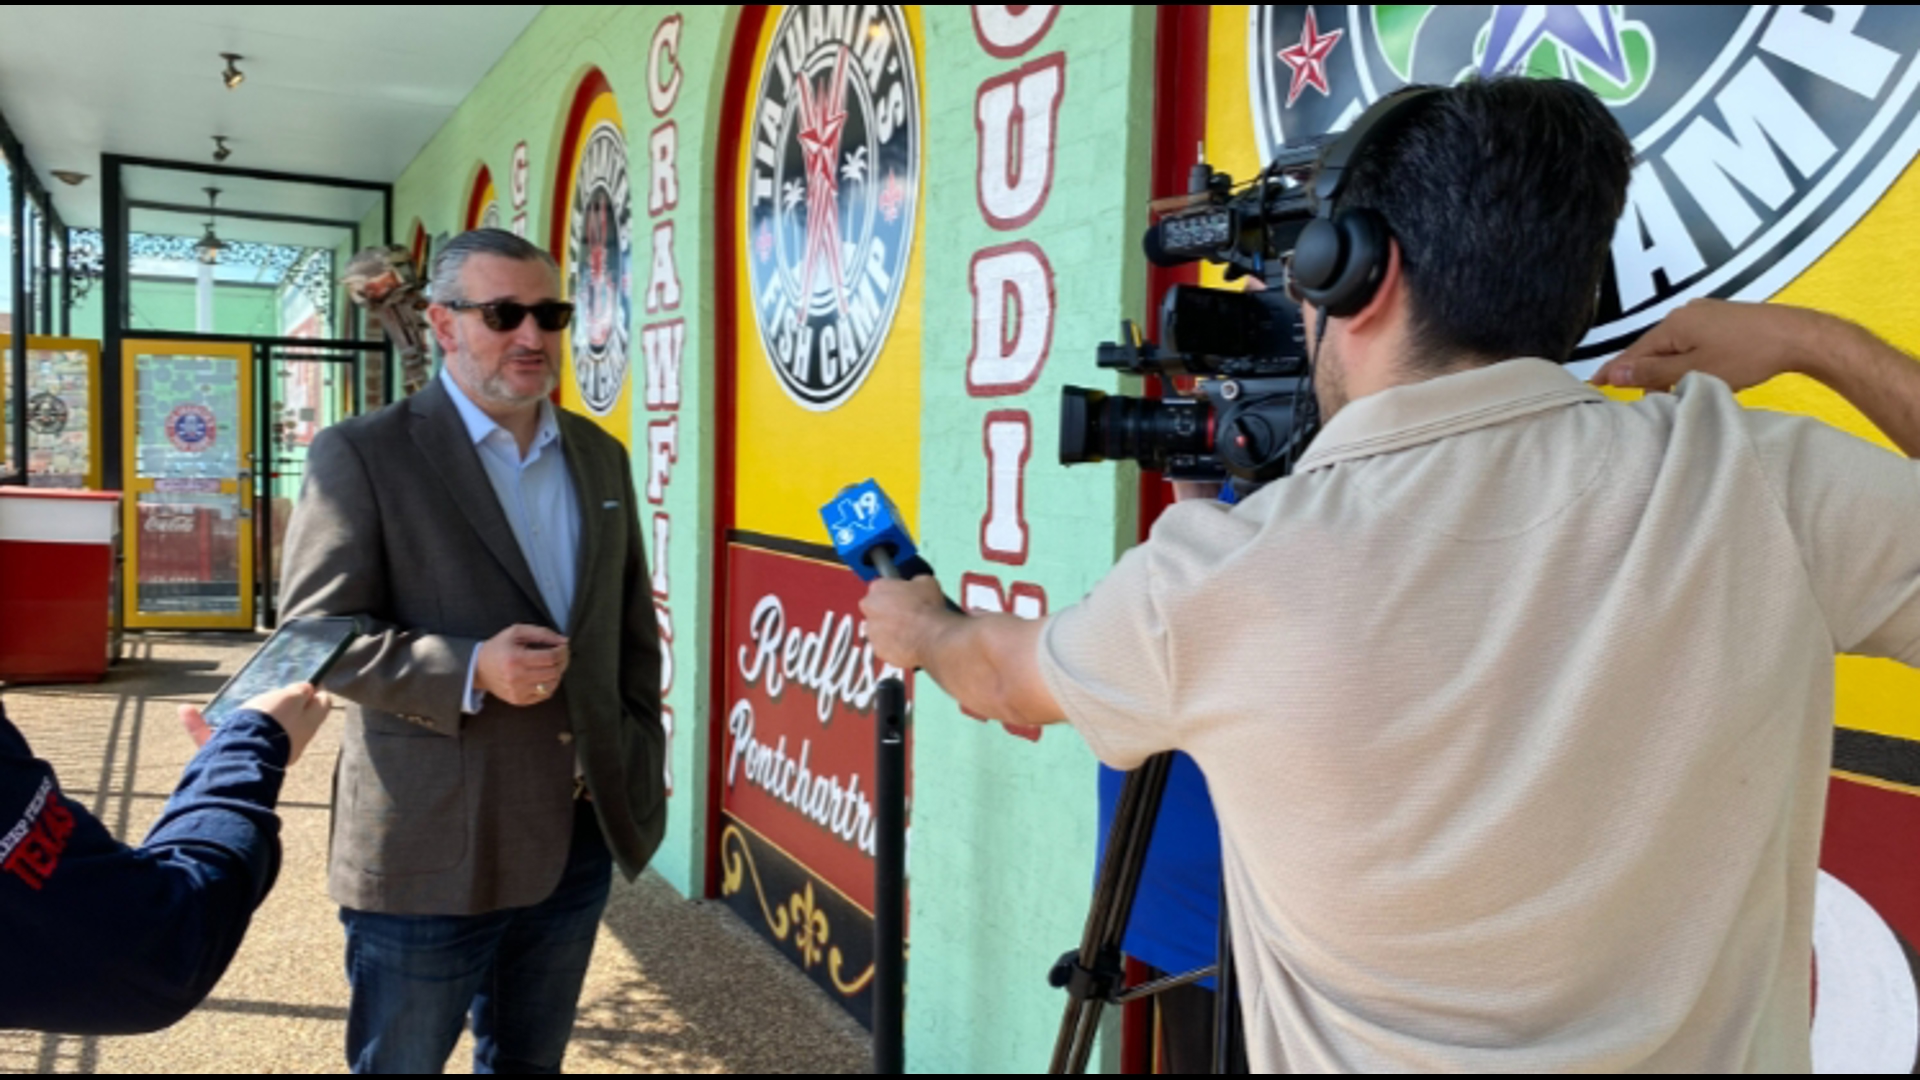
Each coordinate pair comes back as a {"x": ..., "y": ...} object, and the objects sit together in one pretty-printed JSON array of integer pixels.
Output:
[
  {"x": 221, "y": 151},
  {"x": 232, "y": 76}
]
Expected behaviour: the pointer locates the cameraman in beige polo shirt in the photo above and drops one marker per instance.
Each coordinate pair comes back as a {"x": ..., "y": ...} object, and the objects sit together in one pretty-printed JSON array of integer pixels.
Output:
[{"x": 1515, "y": 703}]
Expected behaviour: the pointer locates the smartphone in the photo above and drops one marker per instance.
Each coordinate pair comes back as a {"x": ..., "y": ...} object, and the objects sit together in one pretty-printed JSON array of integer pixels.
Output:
[{"x": 300, "y": 651}]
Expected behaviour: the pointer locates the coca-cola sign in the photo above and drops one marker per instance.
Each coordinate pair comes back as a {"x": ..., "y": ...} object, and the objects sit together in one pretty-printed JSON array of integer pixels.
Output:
[{"x": 168, "y": 522}]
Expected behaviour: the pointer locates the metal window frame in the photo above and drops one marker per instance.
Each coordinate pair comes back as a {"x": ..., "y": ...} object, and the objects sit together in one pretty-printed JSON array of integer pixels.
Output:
[
  {"x": 23, "y": 185},
  {"x": 115, "y": 230}
]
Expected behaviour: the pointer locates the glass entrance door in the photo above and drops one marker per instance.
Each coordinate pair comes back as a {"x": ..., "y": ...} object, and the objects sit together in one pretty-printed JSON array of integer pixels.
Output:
[
  {"x": 189, "y": 489},
  {"x": 306, "y": 389}
]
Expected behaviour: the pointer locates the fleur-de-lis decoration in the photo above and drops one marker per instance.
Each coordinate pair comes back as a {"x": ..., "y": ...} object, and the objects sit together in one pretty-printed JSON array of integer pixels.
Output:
[{"x": 809, "y": 926}]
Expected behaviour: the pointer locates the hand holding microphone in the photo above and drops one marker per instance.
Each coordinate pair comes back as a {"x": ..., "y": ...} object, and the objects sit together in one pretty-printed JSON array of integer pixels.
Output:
[{"x": 904, "y": 607}]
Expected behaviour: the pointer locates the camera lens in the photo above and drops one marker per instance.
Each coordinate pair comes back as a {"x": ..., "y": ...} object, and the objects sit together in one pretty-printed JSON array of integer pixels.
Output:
[{"x": 1096, "y": 426}]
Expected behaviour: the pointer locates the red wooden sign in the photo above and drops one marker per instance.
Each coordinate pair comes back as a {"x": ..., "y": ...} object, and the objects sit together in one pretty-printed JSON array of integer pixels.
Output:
[{"x": 797, "y": 757}]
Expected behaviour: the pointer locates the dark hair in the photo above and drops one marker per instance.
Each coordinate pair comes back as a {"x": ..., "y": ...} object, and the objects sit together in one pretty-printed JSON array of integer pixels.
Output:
[
  {"x": 444, "y": 285},
  {"x": 1503, "y": 195}
]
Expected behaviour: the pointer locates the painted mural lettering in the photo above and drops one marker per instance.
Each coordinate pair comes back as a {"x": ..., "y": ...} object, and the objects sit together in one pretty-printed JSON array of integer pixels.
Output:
[
  {"x": 663, "y": 344},
  {"x": 1021, "y": 109},
  {"x": 1008, "y": 30},
  {"x": 831, "y": 193},
  {"x": 1762, "y": 133},
  {"x": 517, "y": 187},
  {"x": 663, "y": 451},
  {"x": 1016, "y": 126},
  {"x": 1009, "y": 445},
  {"x": 663, "y": 340},
  {"x": 834, "y": 804},
  {"x": 1012, "y": 287},
  {"x": 663, "y": 66},
  {"x": 835, "y": 662},
  {"x": 663, "y": 185}
]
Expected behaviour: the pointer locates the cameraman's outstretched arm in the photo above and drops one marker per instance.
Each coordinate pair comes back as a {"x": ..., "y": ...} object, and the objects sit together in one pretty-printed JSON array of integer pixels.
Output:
[
  {"x": 988, "y": 663},
  {"x": 1747, "y": 344}
]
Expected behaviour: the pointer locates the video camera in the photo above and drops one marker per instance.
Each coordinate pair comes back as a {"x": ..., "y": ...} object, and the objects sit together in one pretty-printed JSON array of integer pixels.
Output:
[{"x": 1250, "y": 411}]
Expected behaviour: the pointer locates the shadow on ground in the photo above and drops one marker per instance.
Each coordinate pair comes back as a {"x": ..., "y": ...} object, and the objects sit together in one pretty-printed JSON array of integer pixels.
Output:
[
  {"x": 710, "y": 996},
  {"x": 676, "y": 985}
]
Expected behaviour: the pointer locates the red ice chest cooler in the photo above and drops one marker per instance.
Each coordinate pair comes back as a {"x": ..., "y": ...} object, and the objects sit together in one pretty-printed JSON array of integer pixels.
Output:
[{"x": 57, "y": 550}]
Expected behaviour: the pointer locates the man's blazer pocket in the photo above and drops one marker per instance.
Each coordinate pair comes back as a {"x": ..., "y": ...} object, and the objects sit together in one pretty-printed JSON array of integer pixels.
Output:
[{"x": 404, "y": 805}]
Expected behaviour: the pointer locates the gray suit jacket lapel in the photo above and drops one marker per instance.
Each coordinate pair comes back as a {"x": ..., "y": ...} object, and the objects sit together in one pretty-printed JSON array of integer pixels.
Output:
[
  {"x": 586, "y": 481},
  {"x": 437, "y": 430}
]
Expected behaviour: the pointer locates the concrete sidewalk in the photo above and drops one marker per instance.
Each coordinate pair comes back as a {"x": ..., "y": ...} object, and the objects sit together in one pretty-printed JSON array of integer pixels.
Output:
[{"x": 676, "y": 985}]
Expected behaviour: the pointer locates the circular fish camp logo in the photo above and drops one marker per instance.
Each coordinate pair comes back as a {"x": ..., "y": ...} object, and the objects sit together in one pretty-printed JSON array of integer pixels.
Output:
[
  {"x": 599, "y": 257},
  {"x": 191, "y": 428},
  {"x": 832, "y": 183},
  {"x": 1762, "y": 134},
  {"x": 47, "y": 413}
]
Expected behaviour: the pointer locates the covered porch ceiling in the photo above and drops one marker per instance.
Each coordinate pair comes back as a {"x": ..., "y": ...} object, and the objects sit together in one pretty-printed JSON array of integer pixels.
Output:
[{"x": 352, "y": 92}]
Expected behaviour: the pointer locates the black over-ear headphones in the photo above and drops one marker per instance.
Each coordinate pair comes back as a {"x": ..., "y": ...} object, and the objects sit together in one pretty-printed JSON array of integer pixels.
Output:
[{"x": 1341, "y": 256}]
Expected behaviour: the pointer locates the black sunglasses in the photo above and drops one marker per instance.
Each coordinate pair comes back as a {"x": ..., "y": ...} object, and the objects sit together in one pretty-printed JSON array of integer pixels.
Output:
[{"x": 506, "y": 315}]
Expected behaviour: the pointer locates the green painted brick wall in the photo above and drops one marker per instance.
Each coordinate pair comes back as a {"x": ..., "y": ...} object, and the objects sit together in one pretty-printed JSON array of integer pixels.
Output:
[
  {"x": 1003, "y": 827},
  {"x": 526, "y": 97}
]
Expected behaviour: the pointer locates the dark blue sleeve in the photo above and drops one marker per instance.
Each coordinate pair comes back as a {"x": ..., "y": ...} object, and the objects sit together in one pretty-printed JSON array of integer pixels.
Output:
[{"x": 101, "y": 938}]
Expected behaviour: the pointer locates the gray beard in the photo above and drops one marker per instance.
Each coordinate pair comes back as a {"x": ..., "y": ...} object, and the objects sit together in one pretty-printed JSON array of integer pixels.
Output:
[{"x": 494, "y": 389}]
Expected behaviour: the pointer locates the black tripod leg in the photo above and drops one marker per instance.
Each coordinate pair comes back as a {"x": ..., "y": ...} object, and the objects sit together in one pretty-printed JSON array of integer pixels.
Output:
[
  {"x": 1094, "y": 975},
  {"x": 1226, "y": 997}
]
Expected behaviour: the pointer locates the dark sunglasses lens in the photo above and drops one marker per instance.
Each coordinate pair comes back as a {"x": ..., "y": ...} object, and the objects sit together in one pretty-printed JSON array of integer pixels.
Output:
[
  {"x": 552, "y": 315},
  {"x": 503, "y": 315}
]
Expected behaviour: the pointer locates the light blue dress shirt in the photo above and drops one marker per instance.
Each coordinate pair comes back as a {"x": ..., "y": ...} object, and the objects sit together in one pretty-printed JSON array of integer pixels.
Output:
[{"x": 536, "y": 495}]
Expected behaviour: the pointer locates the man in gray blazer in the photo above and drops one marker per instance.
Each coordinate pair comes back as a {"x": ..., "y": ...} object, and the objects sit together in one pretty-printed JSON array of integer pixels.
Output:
[{"x": 504, "y": 746}]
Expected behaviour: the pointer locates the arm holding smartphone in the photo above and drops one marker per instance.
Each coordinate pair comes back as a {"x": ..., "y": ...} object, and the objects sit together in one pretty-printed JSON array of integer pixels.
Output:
[{"x": 112, "y": 939}]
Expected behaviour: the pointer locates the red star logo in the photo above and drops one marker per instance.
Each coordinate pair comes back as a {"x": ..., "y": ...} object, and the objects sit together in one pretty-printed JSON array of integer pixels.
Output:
[
  {"x": 892, "y": 194},
  {"x": 822, "y": 119},
  {"x": 1309, "y": 58}
]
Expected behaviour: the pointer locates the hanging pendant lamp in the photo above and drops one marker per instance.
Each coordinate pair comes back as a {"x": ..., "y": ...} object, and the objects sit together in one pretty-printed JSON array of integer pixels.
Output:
[{"x": 210, "y": 246}]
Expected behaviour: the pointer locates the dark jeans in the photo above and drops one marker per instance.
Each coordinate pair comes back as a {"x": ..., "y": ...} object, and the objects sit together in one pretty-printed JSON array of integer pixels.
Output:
[{"x": 415, "y": 978}]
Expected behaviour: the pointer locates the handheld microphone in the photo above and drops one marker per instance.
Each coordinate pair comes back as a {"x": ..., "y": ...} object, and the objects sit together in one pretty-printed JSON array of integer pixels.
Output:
[
  {"x": 870, "y": 537},
  {"x": 868, "y": 534}
]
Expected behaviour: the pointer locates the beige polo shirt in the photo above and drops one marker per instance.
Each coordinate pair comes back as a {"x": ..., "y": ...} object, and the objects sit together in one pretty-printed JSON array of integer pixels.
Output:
[{"x": 1515, "y": 705}]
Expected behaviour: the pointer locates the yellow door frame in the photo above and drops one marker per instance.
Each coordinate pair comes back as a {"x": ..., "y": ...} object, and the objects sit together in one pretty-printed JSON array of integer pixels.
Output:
[
  {"x": 95, "y": 466},
  {"x": 136, "y": 485}
]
